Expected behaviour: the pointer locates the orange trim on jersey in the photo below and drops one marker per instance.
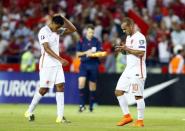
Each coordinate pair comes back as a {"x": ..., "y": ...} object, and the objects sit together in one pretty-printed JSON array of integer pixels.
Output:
[
  {"x": 42, "y": 60},
  {"x": 141, "y": 67}
]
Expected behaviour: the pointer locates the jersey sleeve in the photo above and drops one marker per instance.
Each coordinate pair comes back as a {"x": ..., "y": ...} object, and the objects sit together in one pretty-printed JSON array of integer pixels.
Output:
[
  {"x": 141, "y": 44},
  {"x": 43, "y": 37}
]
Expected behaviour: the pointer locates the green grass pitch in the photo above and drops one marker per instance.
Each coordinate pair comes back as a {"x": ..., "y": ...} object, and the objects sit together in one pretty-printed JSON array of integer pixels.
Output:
[{"x": 103, "y": 118}]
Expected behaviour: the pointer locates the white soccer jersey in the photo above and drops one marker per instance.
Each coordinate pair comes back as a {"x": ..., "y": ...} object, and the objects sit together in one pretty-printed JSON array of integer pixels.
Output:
[
  {"x": 46, "y": 35},
  {"x": 136, "y": 66}
]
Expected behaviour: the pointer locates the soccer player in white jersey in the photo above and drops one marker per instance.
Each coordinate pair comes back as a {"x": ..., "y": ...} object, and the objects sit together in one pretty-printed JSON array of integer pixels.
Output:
[
  {"x": 133, "y": 78},
  {"x": 50, "y": 65}
]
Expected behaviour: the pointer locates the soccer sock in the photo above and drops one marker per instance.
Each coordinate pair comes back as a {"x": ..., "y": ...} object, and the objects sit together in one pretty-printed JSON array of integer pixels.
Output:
[
  {"x": 34, "y": 102},
  {"x": 82, "y": 96},
  {"x": 92, "y": 99},
  {"x": 123, "y": 104},
  {"x": 140, "y": 109},
  {"x": 60, "y": 104}
]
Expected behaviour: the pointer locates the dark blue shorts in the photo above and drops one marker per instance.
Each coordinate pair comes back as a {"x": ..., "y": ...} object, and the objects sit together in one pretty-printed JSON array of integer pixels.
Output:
[{"x": 90, "y": 72}]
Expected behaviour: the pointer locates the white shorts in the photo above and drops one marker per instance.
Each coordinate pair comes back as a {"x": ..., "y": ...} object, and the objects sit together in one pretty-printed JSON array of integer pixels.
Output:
[
  {"x": 49, "y": 76},
  {"x": 133, "y": 85}
]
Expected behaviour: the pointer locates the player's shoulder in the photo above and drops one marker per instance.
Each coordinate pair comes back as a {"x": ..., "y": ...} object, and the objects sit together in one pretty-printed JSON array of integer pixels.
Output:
[
  {"x": 139, "y": 35},
  {"x": 44, "y": 30}
]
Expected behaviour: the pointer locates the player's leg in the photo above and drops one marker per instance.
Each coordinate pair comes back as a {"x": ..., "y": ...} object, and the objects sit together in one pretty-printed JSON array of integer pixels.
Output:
[
  {"x": 60, "y": 103},
  {"x": 81, "y": 86},
  {"x": 122, "y": 87},
  {"x": 59, "y": 84},
  {"x": 92, "y": 76},
  {"x": 44, "y": 83},
  {"x": 137, "y": 89},
  {"x": 38, "y": 95},
  {"x": 92, "y": 89},
  {"x": 36, "y": 98}
]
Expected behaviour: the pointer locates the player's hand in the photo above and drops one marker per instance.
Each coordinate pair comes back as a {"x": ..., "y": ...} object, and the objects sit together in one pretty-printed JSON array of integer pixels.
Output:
[
  {"x": 120, "y": 48},
  {"x": 117, "y": 49},
  {"x": 89, "y": 53},
  {"x": 64, "y": 62}
]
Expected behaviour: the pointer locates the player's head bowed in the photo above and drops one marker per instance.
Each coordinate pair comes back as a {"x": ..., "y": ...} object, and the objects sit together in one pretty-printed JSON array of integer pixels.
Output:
[
  {"x": 57, "y": 19},
  {"x": 57, "y": 22},
  {"x": 127, "y": 26}
]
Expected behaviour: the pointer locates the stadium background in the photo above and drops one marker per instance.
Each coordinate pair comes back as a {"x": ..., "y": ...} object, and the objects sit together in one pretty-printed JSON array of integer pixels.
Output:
[{"x": 161, "y": 21}]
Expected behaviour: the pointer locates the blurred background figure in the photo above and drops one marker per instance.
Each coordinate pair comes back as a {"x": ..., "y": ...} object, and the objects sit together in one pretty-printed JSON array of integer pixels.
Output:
[
  {"x": 88, "y": 67},
  {"x": 164, "y": 50},
  {"x": 176, "y": 65},
  {"x": 3, "y": 47},
  {"x": 28, "y": 63}
]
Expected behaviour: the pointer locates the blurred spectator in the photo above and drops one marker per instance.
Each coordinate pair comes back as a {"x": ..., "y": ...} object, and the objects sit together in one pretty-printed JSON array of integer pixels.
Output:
[
  {"x": 110, "y": 63},
  {"x": 106, "y": 45},
  {"x": 157, "y": 16},
  {"x": 120, "y": 62},
  {"x": 22, "y": 30},
  {"x": 28, "y": 63},
  {"x": 13, "y": 52},
  {"x": 177, "y": 62},
  {"x": 177, "y": 35},
  {"x": 127, "y": 5},
  {"x": 150, "y": 6},
  {"x": 36, "y": 48},
  {"x": 3, "y": 45},
  {"x": 75, "y": 66},
  {"x": 151, "y": 57},
  {"x": 5, "y": 31},
  {"x": 170, "y": 19},
  {"x": 178, "y": 8},
  {"x": 98, "y": 30},
  {"x": 164, "y": 50}
]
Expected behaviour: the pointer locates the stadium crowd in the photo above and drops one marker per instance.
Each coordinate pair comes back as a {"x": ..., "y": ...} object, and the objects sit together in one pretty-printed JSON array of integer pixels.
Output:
[{"x": 162, "y": 21}]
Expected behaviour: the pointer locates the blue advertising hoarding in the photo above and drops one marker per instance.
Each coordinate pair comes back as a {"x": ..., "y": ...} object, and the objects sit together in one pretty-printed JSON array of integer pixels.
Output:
[{"x": 16, "y": 87}]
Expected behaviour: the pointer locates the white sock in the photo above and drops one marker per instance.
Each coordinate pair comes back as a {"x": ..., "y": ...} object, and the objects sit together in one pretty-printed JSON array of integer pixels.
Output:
[
  {"x": 34, "y": 102},
  {"x": 123, "y": 104},
  {"x": 140, "y": 109},
  {"x": 60, "y": 104}
]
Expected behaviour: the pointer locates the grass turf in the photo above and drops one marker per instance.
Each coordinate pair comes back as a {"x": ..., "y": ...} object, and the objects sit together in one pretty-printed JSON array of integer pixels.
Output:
[{"x": 103, "y": 118}]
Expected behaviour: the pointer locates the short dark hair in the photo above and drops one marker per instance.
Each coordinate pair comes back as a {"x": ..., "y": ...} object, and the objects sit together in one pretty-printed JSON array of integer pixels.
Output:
[
  {"x": 128, "y": 21},
  {"x": 58, "y": 20},
  {"x": 91, "y": 26}
]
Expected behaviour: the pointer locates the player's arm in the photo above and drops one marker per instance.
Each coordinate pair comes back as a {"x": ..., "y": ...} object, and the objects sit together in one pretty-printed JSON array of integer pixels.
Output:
[
  {"x": 124, "y": 48},
  {"x": 69, "y": 27},
  {"x": 79, "y": 51},
  {"x": 53, "y": 54},
  {"x": 83, "y": 53},
  {"x": 117, "y": 48},
  {"x": 98, "y": 53},
  {"x": 137, "y": 53},
  {"x": 89, "y": 53}
]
